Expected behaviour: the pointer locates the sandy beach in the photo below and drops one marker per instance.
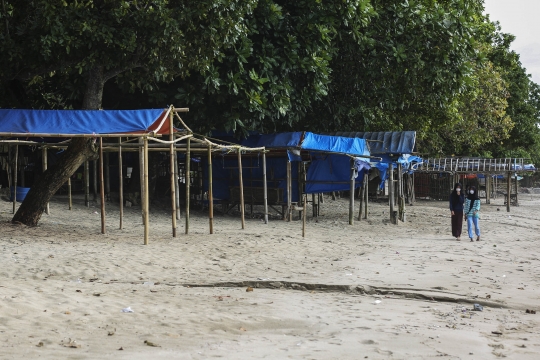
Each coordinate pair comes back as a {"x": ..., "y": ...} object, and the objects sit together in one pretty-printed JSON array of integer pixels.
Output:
[{"x": 371, "y": 290}]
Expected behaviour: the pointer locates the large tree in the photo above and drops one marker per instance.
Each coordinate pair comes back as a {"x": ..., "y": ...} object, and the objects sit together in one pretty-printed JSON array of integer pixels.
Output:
[{"x": 77, "y": 46}]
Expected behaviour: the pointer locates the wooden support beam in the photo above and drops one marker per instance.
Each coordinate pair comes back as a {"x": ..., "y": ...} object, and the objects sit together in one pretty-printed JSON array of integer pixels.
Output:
[
  {"x": 241, "y": 183},
  {"x": 188, "y": 181},
  {"x": 265, "y": 190},
  {"x": 121, "y": 183},
  {"x": 146, "y": 193},
  {"x": 508, "y": 190},
  {"x": 15, "y": 167},
  {"x": 351, "y": 193},
  {"x": 173, "y": 175},
  {"x": 210, "y": 192},
  {"x": 87, "y": 184},
  {"x": 102, "y": 187},
  {"x": 44, "y": 163},
  {"x": 69, "y": 194}
]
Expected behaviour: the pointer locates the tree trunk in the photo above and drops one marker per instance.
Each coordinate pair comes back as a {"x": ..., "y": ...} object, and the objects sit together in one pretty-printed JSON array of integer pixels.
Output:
[{"x": 79, "y": 150}]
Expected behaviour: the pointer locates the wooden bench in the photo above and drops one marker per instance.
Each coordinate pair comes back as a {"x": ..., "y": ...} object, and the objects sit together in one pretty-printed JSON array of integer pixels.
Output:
[{"x": 513, "y": 199}]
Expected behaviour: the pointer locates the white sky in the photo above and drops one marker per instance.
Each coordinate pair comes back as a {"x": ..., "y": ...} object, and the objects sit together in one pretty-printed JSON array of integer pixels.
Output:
[{"x": 522, "y": 19}]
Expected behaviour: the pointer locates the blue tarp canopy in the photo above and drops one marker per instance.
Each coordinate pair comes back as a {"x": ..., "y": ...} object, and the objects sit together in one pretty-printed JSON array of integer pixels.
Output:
[
  {"x": 333, "y": 173},
  {"x": 310, "y": 142},
  {"x": 388, "y": 142},
  {"x": 80, "y": 122}
]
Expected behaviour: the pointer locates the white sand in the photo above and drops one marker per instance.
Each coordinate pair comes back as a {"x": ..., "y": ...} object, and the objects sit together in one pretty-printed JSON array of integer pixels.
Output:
[{"x": 63, "y": 286}]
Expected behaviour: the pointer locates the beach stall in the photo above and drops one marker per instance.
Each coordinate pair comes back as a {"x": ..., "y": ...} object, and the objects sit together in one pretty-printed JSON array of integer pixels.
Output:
[{"x": 117, "y": 131}]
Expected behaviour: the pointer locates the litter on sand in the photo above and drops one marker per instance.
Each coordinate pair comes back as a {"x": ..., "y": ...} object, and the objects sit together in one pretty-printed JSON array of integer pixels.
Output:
[{"x": 127, "y": 310}]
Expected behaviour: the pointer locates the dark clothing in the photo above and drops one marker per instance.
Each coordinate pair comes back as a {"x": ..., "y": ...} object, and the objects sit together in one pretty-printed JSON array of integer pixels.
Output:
[
  {"x": 457, "y": 223},
  {"x": 456, "y": 202}
]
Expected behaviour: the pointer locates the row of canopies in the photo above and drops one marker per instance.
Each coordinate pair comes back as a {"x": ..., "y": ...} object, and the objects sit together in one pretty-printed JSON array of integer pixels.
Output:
[{"x": 337, "y": 162}]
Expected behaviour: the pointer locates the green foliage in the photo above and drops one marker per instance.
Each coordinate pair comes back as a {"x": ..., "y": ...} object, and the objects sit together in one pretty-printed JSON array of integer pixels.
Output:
[
  {"x": 270, "y": 78},
  {"x": 55, "y": 45}
]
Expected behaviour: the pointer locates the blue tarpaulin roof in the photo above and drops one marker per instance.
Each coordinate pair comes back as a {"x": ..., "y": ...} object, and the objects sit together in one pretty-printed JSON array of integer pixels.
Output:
[
  {"x": 311, "y": 142},
  {"x": 78, "y": 122},
  {"x": 389, "y": 142}
]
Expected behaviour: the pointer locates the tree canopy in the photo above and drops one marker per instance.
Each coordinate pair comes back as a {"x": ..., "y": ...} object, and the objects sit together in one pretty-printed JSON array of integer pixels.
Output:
[{"x": 441, "y": 68}]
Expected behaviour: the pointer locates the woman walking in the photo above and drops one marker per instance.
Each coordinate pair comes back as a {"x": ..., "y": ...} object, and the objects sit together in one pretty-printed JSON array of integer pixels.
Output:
[
  {"x": 472, "y": 213},
  {"x": 456, "y": 209}
]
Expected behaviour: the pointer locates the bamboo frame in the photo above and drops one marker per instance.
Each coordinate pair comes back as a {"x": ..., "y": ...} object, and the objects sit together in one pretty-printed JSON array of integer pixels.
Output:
[
  {"x": 141, "y": 176},
  {"x": 107, "y": 176},
  {"x": 391, "y": 190},
  {"x": 44, "y": 165},
  {"x": 241, "y": 182},
  {"x": 146, "y": 190},
  {"x": 15, "y": 167},
  {"x": 173, "y": 176},
  {"x": 351, "y": 194},
  {"x": 69, "y": 194},
  {"x": 177, "y": 187},
  {"x": 121, "y": 184},
  {"x": 188, "y": 181},
  {"x": 94, "y": 177},
  {"x": 366, "y": 192},
  {"x": 508, "y": 191},
  {"x": 86, "y": 184},
  {"x": 210, "y": 192},
  {"x": 102, "y": 187},
  {"x": 265, "y": 190},
  {"x": 289, "y": 190}
]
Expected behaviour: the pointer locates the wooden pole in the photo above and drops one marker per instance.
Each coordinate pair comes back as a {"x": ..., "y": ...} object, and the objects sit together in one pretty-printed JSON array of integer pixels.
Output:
[
  {"x": 44, "y": 162},
  {"x": 69, "y": 194},
  {"x": 361, "y": 196},
  {"x": 141, "y": 176},
  {"x": 210, "y": 193},
  {"x": 102, "y": 187},
  {"x": 304, "y": 212},
  {"x": 400, "y": 193},
  {"x": 391, "y": 190},
  {"x": 146, "y": 193},
  {"x": 488, "y": 184},
  {"x": 265, "y": 190},
  {"x": 107, "y": 177},
  {"x": 508, "y": 191},
  {"x": 121, "y": 182},
  {"x": 173, "y": 175},
  {"x": 289, "y": 188},
  {"x": 188, "y": 181},
  {"x": 366, "y": 194},
  {"x": 94, "y": 178},
  {"x": 87, "y": 183},
  {"x": 517, "y": 189},
  {"x": 177, "y": 187},
  {"x": 241, "y": 182},
  {"x": 15, "y": 167},
  {"x": 351, "y": 194}
]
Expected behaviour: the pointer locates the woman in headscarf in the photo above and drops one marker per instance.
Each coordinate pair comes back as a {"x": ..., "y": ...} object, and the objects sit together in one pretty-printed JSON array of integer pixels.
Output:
[
  {"x": 456, "y": 209},
  {"x": 472, "y": 212}
]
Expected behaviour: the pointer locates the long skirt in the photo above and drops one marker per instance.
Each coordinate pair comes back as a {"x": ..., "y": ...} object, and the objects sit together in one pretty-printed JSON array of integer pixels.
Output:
[{"x": 457, "y": 223}]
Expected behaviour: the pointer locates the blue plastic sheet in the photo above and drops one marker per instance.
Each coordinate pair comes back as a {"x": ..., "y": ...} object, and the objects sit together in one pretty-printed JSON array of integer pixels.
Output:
[{"x": 77, "y": 122}]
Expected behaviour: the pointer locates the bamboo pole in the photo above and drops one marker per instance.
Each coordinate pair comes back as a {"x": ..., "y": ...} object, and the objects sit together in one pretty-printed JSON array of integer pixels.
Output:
[
  {"x": 351, "y": 194},
  {"x": 391, "y": 190},
  {"x": 94, "y": 178},
  {"x": 361, "y": 196},
  {"x": 173, "y": 175},
  {"x": 289, "y": 188},
  {"x": 188, "y": 181},
  {"x": 107, "y": 177},
  {"x": 210, "y": 193},
  {"x": 366, "y": 180},
  {"x": 508, "y": 191},
  {"x": 146, "y": 193},
  {"x": 121, "y": 182},
  {"x": 87, "y": 184},
  {"x": 304, "y": 198},
  {"x": 102, "y": 187},
  {"x": 177, "y": 187},
  {"x": 265, "y": 190},
  {"x": 69, "y": 194},
  {"x": 141, "y": 176},
  {"x": 15, "y": 167},
  {"x": 241, "y": 183},
  {"x": 517, "y": 189},
  {"x": 44, "y": 163}
]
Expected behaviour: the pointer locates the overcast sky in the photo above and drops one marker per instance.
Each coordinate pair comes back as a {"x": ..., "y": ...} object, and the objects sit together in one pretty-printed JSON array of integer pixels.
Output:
[{"x": 522, "y": 19}]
